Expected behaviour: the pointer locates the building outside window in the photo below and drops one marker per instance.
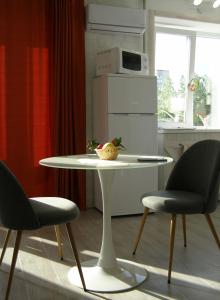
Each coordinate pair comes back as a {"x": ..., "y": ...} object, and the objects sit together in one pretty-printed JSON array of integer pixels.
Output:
[{"x": 187, "y": 69}]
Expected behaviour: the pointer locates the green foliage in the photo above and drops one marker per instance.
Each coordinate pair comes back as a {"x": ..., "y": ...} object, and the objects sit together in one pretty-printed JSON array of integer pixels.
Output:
[
  {"x": 200, "y": 86},
  {"x": 182, "y": 87},
  {"x": 165, "y": 94},
  {"x": 201, "y": 98},
  {"x": 92, "y": 145},
  {"x": 117, "y": 143},
  {"x": 164, "y": 97}
]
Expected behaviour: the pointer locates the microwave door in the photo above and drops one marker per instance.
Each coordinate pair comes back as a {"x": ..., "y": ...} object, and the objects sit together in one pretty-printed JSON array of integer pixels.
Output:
[{"x": 131, "y": 61}]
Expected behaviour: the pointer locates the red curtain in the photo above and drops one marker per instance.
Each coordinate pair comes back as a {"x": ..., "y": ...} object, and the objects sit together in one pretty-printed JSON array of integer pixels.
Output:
[
  {"x": 33, "y": 117},
  {"x": 66, "y": 18}
]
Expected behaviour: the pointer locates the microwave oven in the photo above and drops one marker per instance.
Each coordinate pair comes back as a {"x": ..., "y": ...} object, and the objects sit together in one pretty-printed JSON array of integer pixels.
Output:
[{"x": 120, "y": 61}]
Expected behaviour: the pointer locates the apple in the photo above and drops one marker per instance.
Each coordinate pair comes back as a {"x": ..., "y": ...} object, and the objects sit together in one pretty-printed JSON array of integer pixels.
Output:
[
  {"x": 100, "y": 146},
  {"x": 108, "y": 145}
]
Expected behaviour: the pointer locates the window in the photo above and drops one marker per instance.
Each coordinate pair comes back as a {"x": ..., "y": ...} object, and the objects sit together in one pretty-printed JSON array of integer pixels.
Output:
[{"x": 187, "y": 67}]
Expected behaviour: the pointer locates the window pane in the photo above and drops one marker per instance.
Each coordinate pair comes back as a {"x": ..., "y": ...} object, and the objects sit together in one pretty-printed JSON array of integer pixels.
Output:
[
  {"x": 172, "y": 60},
  {"x": 206, "y": 97}
]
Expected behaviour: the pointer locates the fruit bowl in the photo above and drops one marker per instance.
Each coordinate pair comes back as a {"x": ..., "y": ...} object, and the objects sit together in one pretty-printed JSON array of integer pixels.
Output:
[{"x": 108, "y": 152}]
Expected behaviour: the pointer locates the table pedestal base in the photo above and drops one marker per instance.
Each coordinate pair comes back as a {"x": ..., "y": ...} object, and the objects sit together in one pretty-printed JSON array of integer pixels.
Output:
[{"x": 126, "y": 276}]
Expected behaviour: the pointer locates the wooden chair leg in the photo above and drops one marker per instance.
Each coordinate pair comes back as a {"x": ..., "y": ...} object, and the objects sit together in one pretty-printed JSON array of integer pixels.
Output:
[
  {"x": 58, "y": 236},
  {"x": 172, "y": 236},
  {"x": 211, "y": 226},
  {"x": 184, "y": 229},
  {"x": 146, "y": 211},
  {"x": 5, "y": 245},
  {"x": 14, "y": 259},
  {"x": 73, "y": 244}
]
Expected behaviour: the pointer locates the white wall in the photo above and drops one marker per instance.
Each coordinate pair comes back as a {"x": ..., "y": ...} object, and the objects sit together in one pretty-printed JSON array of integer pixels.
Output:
[{"x": 98, "y": 41}]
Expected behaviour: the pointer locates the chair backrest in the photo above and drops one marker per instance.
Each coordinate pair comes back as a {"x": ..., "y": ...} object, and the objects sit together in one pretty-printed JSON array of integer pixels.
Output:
[
  {"x": 15, "y": 208},
  {"x": 198, "y": 171}
]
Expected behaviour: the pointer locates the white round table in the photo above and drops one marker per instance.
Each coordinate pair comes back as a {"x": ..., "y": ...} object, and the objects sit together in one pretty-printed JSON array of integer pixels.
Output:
[{"x": 107, "y": 273}]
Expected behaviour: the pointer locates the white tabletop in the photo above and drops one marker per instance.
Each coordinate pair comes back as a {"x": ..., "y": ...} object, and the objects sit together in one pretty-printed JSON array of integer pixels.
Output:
[{"x": 92, "y": 162}]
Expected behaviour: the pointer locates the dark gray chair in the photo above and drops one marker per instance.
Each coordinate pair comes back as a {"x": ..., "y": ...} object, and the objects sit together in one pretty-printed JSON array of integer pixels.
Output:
[
  {"x": 19, "y": 213},
  {"x": 192, "y": 188}
]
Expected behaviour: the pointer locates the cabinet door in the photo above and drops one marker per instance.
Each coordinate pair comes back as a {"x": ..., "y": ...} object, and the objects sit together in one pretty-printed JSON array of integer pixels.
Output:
[{"x": 132, "y": 95}]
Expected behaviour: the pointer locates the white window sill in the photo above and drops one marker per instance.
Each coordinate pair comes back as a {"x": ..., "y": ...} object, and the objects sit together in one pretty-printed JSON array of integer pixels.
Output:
[{"x": 188, "y": 130}]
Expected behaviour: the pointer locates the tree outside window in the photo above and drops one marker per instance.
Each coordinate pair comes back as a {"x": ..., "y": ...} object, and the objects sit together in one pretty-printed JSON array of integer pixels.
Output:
[
  {"x": 200, "y": 86},
  {"x": 170, "y": 100}
]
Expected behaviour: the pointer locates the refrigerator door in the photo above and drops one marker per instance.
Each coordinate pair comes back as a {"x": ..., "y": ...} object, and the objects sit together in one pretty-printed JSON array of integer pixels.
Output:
[{"x": 138, "y": 132}]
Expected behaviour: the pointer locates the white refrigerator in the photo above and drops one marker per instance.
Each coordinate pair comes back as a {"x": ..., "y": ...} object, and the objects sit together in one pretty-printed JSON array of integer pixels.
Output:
[{"x": 125, "y": 106}]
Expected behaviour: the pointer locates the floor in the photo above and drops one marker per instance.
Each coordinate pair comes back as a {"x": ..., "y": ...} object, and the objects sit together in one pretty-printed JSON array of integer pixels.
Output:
[{"x": 41, "y": 275}]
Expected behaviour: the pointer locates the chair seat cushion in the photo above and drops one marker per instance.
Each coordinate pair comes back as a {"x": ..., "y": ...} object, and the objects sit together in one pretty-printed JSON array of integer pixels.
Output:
[
  {"x": 54, "y": 210},
  {"x": 174, "y": 202}
]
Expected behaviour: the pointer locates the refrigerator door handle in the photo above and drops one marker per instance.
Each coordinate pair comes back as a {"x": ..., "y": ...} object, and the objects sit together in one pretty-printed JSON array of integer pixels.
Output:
[
  {"x": 145, "y": 114},
  {"x": 130, "y": 114},
  {"x": 120, "y": 114}
]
